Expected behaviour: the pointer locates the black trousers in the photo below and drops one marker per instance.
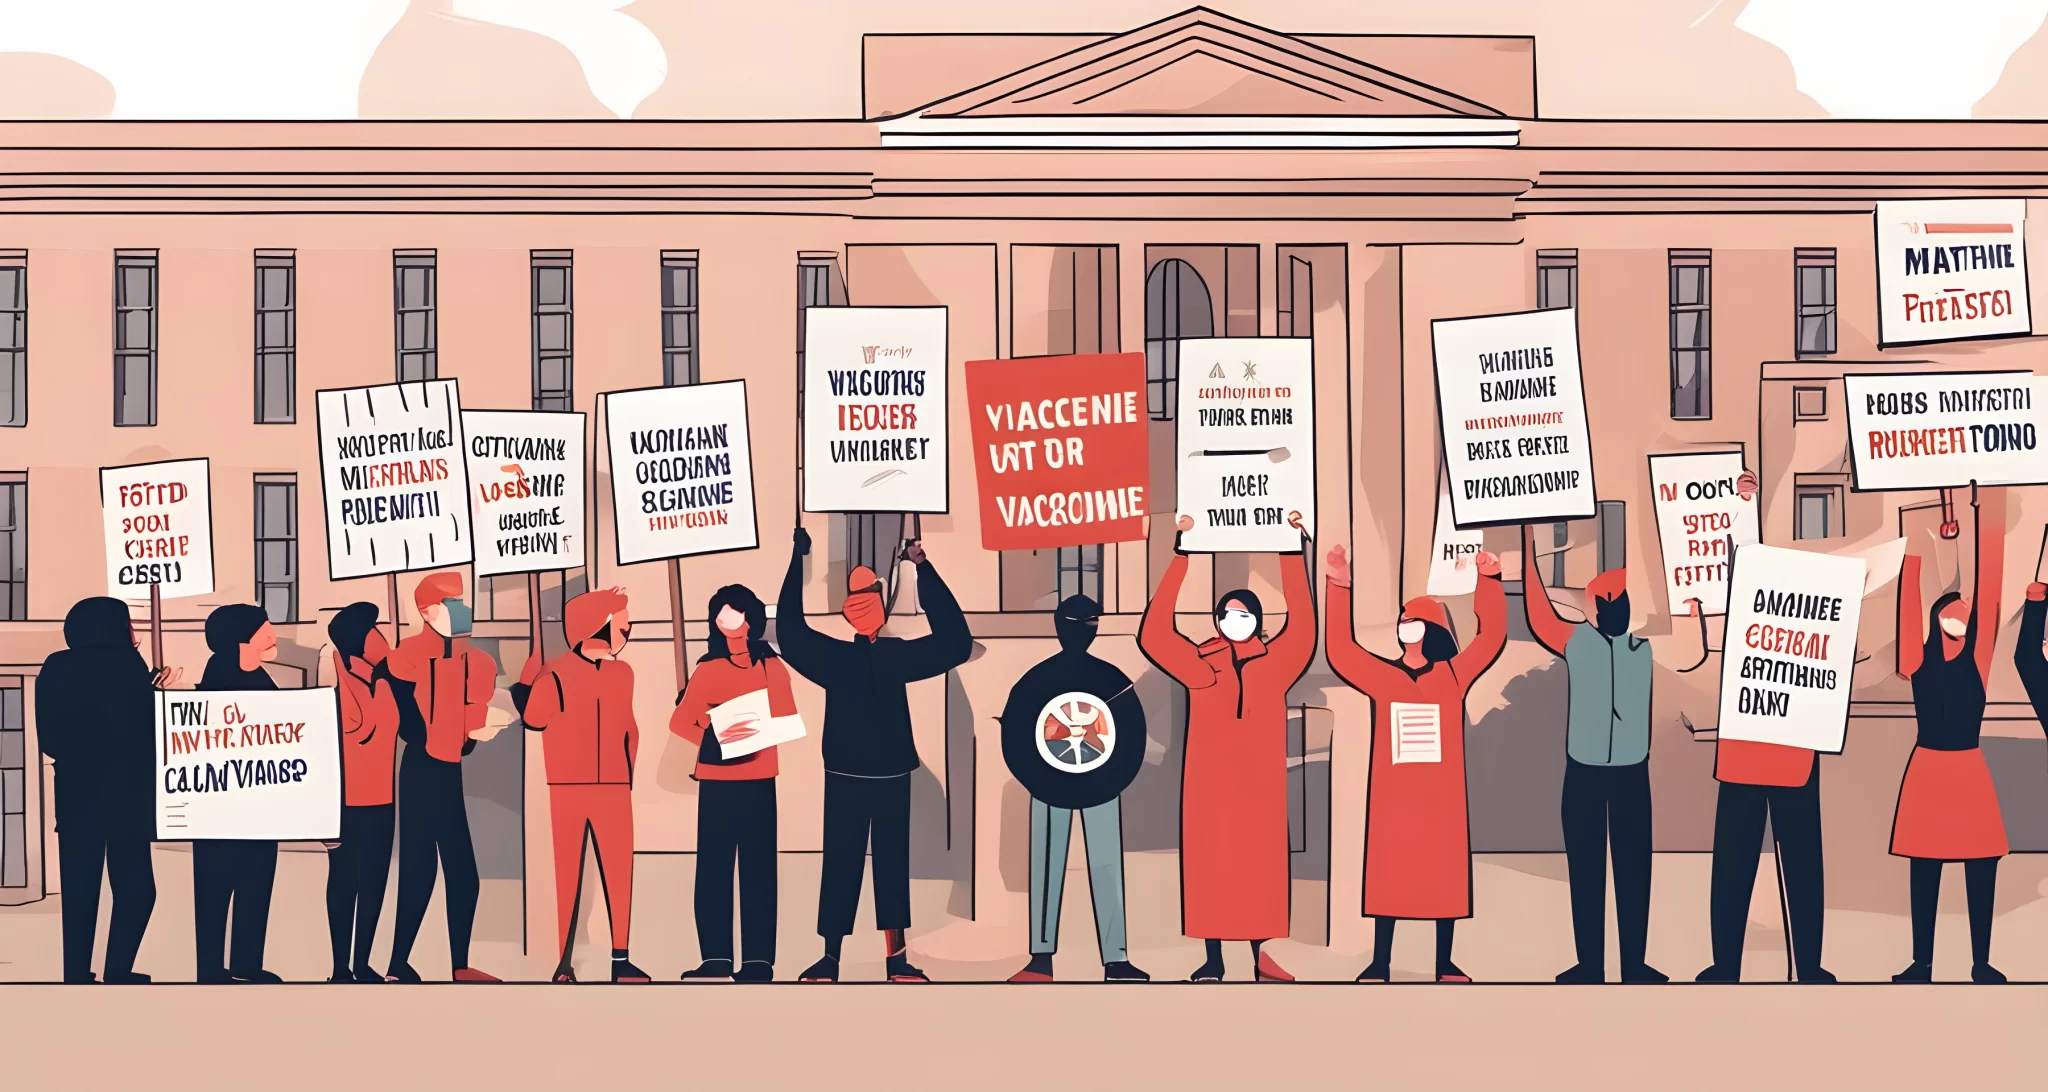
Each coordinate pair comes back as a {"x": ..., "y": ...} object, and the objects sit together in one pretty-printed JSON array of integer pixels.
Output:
[
  {"x": 736, "y": 823},
  {"x": 357, "y": 871},
  {"x": 1607, "y": 806},
  {"x": 436, "y": 825},
  {"x": 129, "y": 872},
  {"x": 238, "y": 873},
  {"x": 1738, "y": 835},
  {"x": 855, "y": 808}
]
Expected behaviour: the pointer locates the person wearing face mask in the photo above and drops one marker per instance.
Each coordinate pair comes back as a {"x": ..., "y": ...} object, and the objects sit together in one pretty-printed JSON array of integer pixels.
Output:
[
  {"x": 582, "y": 703},
  {"x": 735, "y": 796},
  {"x": 1948, "y": 806},
  {"x": 1418, "y": 843},
  {"x": 867, "y": 744},
  {"x": 238, "y": 872},
  {"x": 1233, "y": 811},
  {"x": 1074, "y": 737},
  {"x": 1606, "y": 797},
  {"x": 452, "y": 683},
  {"x": 359, "y": 865}
]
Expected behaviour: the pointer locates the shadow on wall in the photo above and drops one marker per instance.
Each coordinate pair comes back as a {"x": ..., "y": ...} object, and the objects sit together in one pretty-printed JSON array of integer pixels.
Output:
[
  {"x": 436, "y": 64},
  {"x": 45, "y": 87}
]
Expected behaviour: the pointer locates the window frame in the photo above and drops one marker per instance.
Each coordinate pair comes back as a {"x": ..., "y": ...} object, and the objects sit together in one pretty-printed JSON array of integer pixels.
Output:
[
  {"x": 673, "y": 310},
  {"x": 428, "y": 261},
  {"x": 1559, "y": 259},
  {"x": 15, "y": 760},
  {"x": 1822, "y": 259},
  {"x": 286, "y": 260},
  {"x": 14, "y": 412},
  {"x": 539, "y": 262},
  {"x": 1702, "y": 349},
  {"x": 289, "y": 482},
  {"x": 125, "y": 259},
  {"x": 14, "y": 584}
]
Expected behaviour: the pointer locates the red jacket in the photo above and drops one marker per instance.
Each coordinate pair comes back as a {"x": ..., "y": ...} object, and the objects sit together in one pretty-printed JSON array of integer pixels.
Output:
[
  {"x": 369, "y": 737},
  {"x": 585, "y": 711},
  {"x": 717, "y": 681},
  {"x": 452, "y": 682}
]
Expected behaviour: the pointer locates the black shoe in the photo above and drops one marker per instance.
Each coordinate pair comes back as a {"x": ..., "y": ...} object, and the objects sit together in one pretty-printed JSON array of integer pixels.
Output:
[
  {"x": 257, "y": 977},
  {"x": 342, "y": 974},
  {"x": 1122, "y": 971},
  {"x": 401, "y": 972},
  {"x": 1211, "y": 970},
  {"x": 215, "y": 977},
  {"x": 900, "y": 970},
  {"x": 1375, "y": 972},
  {"x": 1643, "y": 974},
  {"x": 755, "y": 970},
  {"x": 127, "y": 978},
  {"x": 826, "y": 969},
  {"x": 1817, "y": 976},
  {"x": 1581, "y": 974},
  {"x": 87, "y": 979},
  {"x": 624, "y": 971},
  {"x": 364, "y": 974},
  {"x": 1916, "y": 972},
  {"x": 711, "y": 970},
  {"x": 1718, "y": 973},
  {"x": 1984, "y": 974}
]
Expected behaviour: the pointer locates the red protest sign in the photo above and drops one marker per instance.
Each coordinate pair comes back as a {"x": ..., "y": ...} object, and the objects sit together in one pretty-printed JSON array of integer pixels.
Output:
[{"x": 1059, "y": 449}]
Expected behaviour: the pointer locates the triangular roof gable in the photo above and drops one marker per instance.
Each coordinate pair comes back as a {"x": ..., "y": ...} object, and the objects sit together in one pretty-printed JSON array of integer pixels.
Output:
[{"x": 1201, "y": 62}]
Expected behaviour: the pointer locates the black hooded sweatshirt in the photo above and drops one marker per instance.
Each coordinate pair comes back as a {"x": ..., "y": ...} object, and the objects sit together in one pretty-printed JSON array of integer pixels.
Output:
[
  {"x": 227, "y": 630},
  {"x": 96, "y": 717},
  {"x": 1074, "y": 669}
]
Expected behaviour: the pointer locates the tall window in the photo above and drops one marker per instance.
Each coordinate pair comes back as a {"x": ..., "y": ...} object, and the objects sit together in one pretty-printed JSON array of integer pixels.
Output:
[
  {"x": 554, "y": 375},
  {"x": 277, "y": 337},
  {"x": 1815, "y": 291},
  {"x": 679, "y": 318},
  {"x": 277, "y": 545},
  {"x": 414, "y": 290},
  {"x": 1692, "y": 364},
  {"x": 13, "y": 785},
  {"x": 13, "y": 338},
  {"x": 1176, "y": 306},
  {"x": 814, "y": 288},
  {"x": 13, "y": 546},
  {"x": 1557, "y": 279},
  {"x": 1613, "y": 516},
  {"x": 1080, "y": 569},
  {"x": 135, "y": 337},
  {"x": 1817, "y": 506}
]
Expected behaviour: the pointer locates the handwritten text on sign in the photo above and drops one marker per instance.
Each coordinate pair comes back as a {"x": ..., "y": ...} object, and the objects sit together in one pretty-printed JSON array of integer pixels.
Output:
[
  {"x": 394, "y": 482},
  {"x": 1059, "y": 449},
  {"x": 259, "y": 764},
  {"x": 1948, "y": 270},
  {"x": 159, "y": 528},
  {"x": 1513, "y": 410},
  {"x": 1791, "y": 647},
  {"x": 1931, "y": 430},
  {"x": 1699, "y": 509},
  {"x": 526, "y": 490},
  {"x": 1245, "y": 437},
  {"x": 682, "y": 471},
  {"x": 874, "y": 409}
]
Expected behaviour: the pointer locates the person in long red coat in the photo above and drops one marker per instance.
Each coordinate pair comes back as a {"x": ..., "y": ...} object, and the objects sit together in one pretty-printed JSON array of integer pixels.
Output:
[
  {"x": 1418, "y": 842},
  {"x": 1233, "y": 807}
]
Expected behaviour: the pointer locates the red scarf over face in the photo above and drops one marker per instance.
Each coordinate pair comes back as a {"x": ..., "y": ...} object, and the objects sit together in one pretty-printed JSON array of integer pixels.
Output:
[{"x": 863, "y": 608}]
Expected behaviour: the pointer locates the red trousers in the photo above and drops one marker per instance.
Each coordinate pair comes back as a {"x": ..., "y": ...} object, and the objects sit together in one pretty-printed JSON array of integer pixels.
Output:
[{"x": 606, "y": 811}]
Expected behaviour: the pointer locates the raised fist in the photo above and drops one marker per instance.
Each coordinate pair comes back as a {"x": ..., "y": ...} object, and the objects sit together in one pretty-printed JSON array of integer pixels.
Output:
[
  {"x": 915, "y": 551},
  {"x": 1692, "y": 608},
  {"x": 1340, "y": 568},
  {"x": 801, "y": 540},
  {"x": 1184, "y": 523},
  {"x": 1745, "y": 486},
  {"x": 1294, "y": 521},
  {"x": 2037, "y": 591},
  {"x": 1489, "y": 565}
]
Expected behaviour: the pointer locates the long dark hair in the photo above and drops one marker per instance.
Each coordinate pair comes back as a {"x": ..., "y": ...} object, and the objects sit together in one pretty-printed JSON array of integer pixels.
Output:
[
  {"x": 1251, "y": 604},
  {"x": 740, "y": 598},
  {"x": 350, "y": 628}
]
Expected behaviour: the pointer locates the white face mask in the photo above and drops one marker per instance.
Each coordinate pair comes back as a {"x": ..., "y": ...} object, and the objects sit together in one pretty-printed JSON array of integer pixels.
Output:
[
  {"x": 1237, "y": 625},
  {"x": 1954, "y": 627},
  {"x": 1410, "y": 632}
]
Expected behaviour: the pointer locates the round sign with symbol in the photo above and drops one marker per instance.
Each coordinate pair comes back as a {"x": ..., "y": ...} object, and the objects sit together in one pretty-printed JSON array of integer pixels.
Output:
[
  {"x": 1076, "y": 732},
  {"x": 1074, "y": 737}
]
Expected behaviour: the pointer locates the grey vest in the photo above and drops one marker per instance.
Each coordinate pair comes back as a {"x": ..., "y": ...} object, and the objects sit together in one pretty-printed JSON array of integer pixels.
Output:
[{"x": 1608, "y": 723}]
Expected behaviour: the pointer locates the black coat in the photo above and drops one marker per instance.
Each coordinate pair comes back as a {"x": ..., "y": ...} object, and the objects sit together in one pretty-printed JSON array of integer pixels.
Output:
[{"x": 96, "y": 720}]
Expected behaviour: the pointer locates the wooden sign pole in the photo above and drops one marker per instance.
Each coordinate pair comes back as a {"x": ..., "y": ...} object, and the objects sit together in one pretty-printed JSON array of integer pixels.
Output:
[
  {"x": 675, "y": 617},
  {"x": 156, "y": 627},
  {"x": 391, "y": 595},
  {"x": 533, "y": 608}
]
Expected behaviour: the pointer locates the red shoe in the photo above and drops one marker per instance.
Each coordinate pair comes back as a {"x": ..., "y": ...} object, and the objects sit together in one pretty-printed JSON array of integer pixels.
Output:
[
  {"x": 471, "y": 974},
  {"x": 1028, "y": 975},
  {"x": 565, "y": 975},
  {"x": 1270, "y": 971}
]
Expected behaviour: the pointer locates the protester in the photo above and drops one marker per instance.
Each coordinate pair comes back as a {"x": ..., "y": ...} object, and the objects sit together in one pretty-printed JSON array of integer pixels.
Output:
[
  {"x": 1418, "y": 840},
  {"x": 582, "y": 702},
  {"x": 96, "y": 721},
  {"x": 235, "y": 872},
  {"x": 735, "y": 796},
  {"x": 359, "y": 865},
  {"x": 1606, "y": 798},
  {"x": 452, "y": 683},
  {"x": 1234, "y": 878},
  {"x": 867, "y": 743},
  {"x": 1948, "y": 806}
]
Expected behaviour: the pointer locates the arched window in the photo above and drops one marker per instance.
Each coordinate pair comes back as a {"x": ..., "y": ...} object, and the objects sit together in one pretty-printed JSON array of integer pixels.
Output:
[{"x": 1176, "y": 306}]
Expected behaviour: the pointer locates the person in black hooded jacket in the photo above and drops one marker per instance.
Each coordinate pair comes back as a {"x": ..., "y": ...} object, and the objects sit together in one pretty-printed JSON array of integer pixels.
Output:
[
  {"x": 96, "y": 720},
  {"x": 235, "y": 870}
]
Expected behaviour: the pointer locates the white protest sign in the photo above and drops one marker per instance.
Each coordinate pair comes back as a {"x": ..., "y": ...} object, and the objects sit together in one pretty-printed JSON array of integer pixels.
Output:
[
  {"x": 1513, "y": 414},
  {"x": 1948, "y": 270},
  {"x": 394, "y": 482},
  {"x": 1790, "y": 647},
  {"x": 1937, "y": 430},
  {"x": 874, "y": 409},
  {"x": 682, "y": 471},
  {"x": 1451, "y": 557},
  {"x": 256, "y": 764},
  {"x": 527, "y": 492},
  {"x": 159, "y": 528},
  {"x": 1699, "y": 509},
  {"x": 1245, "y": 429}
]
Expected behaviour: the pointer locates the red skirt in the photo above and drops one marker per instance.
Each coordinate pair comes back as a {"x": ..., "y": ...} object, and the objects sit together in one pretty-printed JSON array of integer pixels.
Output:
[{"x": 1948, "y": 808}]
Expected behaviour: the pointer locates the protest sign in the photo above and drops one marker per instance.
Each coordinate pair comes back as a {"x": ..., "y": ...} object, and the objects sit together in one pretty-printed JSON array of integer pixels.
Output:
[
  {"x": 1452, "y": 554},
  {"x": 159, "y": 528},
  {"x": 874, "y": 409},
  {"x": 394, "y": 483},
  {"x": 682, "y": 471},
  {"x": 1699, "y": 509},
  {"x": 1246, "y": 442},
  {"x": 256, "y": 764},
  {"x": 1513, "y": 416},
  {"x": 1790, "y": 647},
  {"x": 1937, "y": 430},
  {"x": 1059, "y": 449},
  {"x": 527, "y": 490},
  {"x": 1950, "y": 270}
]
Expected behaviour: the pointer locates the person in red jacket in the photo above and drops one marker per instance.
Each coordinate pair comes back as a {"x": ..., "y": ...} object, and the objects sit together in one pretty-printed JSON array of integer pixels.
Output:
[
  {"x": 583, "y": 701},
  {"x": 450, "y": 685},
  {"x": 359, "y": 865},
  {"x": 735, "y": 796}
]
